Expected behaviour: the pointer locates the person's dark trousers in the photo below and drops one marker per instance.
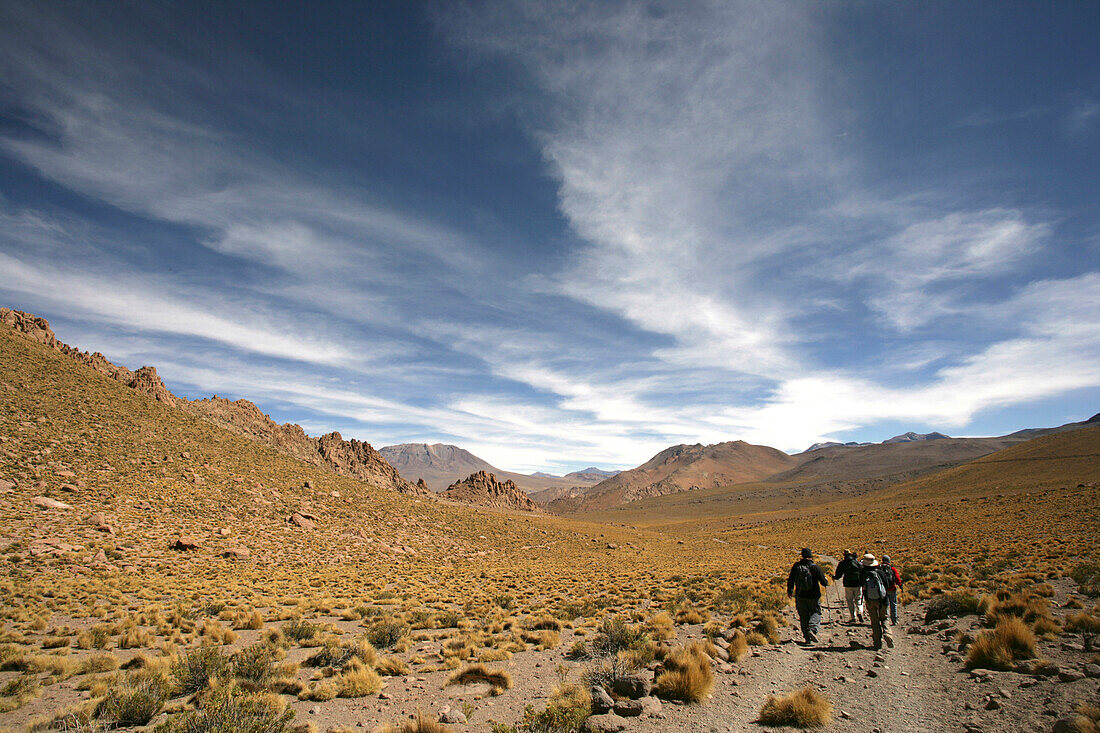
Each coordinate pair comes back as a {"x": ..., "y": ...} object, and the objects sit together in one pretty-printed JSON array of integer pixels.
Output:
[
  {"x": 809, "y": 617},
  {"x": 892, "y": 596}
]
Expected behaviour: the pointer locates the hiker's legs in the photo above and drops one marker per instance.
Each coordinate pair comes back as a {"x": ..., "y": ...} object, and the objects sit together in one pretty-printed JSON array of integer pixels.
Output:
[
  {"x": 892, "y": 596},
  {"x": 851, "y": 595},
  {"x": 873, "y": 609},
  {"x": 809, "y": 617},
  {"x": 877, "y": 612}
]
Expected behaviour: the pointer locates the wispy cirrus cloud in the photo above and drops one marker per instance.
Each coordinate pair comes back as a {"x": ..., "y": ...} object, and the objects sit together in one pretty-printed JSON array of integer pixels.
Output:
[{"x": 725, "y": 266}]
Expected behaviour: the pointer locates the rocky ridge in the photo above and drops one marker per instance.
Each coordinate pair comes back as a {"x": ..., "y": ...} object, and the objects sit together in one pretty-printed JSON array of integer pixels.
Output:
[
  {"x": 483, "y": 489},
  {"x": 351, "y": 458}
]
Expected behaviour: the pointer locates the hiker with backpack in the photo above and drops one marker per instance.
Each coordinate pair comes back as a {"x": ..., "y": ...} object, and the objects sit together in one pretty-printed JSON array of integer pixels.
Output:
[
  {"x": 875, "y": 582},
  {"x": 804, "y": 584},
  {"x": 849, "y": 569},
  {"x": 892, "y": 588}
]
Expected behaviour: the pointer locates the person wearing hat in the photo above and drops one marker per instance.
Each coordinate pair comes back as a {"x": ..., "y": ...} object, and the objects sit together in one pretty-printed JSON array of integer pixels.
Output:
[
  {"x": 804, "y": 584},
  {"x": 875, "y": 582},
  {"x": 849, "y": 569},
  {"x": 892, "y": 588}
]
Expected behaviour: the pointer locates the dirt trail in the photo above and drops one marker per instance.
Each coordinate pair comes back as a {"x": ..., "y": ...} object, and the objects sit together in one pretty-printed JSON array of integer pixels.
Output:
[{"x": 912, "y": 688}]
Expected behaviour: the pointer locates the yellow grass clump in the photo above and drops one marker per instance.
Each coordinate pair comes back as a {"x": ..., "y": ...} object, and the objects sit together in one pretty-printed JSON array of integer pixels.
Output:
[
  {"x": 686, "y": 674},
  {"x": 497, "y": 679},
  {"x": 805, "y": 708},
  {"x": 358, "y": 680},
  {"x": 1001, "y": 646}
]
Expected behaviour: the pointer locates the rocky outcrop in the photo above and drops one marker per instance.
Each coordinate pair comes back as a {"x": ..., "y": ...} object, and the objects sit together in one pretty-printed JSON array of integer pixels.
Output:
[
  {"x": 483, "y": 489},
  {"x": 351, "y": 458},
  {"x": 144, "y": 380}
]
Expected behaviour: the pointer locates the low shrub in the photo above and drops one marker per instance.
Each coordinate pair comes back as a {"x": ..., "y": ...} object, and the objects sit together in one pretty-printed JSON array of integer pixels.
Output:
[
  {"x": 805, "y": 708},
  {"x": 228, "y": 709},
  {"x": 385, "y": 634},
  {"x": 135, "y": 701},
  {"x": 253, "y": 664},
  {"x": 194, "y": 669},
  {"x": 616, "y": 635},
  {"x": 569, "y": 706},
  {"x": 954, "y": 604},
  {"x": 299, "y": 630},
  {"x": 1087, "y": 577}
]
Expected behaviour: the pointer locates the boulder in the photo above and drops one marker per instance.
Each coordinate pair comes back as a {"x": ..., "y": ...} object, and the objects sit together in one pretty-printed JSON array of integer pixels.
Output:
[
  {"x": 1075, "y": 723},
  {"x": 446, "y": 715},
  {"x": 186, "y": 542},
  {"x": 629, "y": 708},
  {"x": 650, "y": 706},
  {"x": 606, "y": 723},
  {"x": 47, "y": 503},
  {"x": 632, "y": 686},
  {"x": 301, "y": 519},
  {"x": 237, "y": 553},
  {"x": 1070, "y": 675},
  {"x": 601, "y": 701}
]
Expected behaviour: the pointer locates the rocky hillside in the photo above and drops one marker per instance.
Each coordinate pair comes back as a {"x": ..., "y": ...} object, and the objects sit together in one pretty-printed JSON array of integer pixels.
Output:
[
  {"x": 351, "y": 458},
  {"x": 680, "y": 468},
  {"x": 441, "y": 465},
  {"x": 483, "y": 489}
]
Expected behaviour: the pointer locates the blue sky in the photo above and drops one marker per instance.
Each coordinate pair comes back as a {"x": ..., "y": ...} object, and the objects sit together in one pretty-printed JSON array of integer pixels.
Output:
[{"x": 568, "y": 234}]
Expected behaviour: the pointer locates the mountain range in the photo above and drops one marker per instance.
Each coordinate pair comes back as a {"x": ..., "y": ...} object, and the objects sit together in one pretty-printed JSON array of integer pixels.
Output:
[
  {"x": 440, "y": 465},
  {"x": 825, "y": 469}
]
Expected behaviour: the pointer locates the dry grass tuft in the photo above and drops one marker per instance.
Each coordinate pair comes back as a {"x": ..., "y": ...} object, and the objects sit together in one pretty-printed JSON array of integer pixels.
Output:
[
  {"x": 999, "y": 648},
  {"x": 419, "y": 724},
  {"x": 686, "y": 674},
  {"x": 358, "y": 680},
  {"x": 498, "y": 679},
  {"x": 806, "y": 708}
]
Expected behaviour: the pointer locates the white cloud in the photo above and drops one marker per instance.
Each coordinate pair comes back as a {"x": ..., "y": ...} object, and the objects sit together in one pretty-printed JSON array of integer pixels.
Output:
[
  {"x": 150, "y": 305},
  {"x": 909, "y": 274}
]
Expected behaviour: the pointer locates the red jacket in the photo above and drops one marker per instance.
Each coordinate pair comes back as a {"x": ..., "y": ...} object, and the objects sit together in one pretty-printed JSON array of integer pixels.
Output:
[{"x": 896, "y": 582}]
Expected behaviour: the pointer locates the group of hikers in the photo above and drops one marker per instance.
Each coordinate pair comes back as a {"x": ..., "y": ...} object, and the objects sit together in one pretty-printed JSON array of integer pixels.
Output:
[{"x": 870, "y": 590}]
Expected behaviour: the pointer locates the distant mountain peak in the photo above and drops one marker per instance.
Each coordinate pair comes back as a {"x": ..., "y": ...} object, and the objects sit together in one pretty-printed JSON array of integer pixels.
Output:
[{"x": 911, "y": 437}]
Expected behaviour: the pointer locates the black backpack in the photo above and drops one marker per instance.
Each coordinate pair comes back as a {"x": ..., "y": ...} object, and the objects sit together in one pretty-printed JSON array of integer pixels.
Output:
[{"x": 803, "y": 580}]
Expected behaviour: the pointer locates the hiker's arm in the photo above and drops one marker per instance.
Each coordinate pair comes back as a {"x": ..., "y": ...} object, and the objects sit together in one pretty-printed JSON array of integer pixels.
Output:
[{"x": 790, "y": 583}]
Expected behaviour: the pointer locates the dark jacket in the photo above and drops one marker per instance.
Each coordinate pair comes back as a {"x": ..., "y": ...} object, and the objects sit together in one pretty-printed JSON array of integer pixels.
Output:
[
  {"x": 895, "y": 577},
  {"x": 815, "y": 572},
  {"x": 849, "y": 568}
]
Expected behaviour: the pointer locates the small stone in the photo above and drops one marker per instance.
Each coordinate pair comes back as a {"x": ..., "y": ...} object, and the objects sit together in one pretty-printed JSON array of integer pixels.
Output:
[
  {"x": 992, "y": 704},
  {"x": 1070, "y": 675},
  {"x": 452, "y": 716},
  {"x": 1092, "y": 670}
]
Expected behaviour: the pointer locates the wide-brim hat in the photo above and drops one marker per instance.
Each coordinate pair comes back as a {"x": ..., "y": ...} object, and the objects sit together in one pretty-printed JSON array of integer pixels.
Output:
[{"x": 869, "y": 560}]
